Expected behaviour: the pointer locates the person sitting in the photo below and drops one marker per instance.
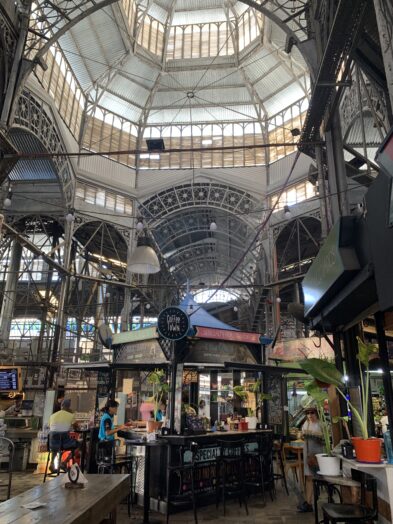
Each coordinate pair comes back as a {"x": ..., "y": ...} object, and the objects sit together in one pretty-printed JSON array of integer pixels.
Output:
[
  {"x": 107, "y": 429},
  {"x": 60, "y": 424}
]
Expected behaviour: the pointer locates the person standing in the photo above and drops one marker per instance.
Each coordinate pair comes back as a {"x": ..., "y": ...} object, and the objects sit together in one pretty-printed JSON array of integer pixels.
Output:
[{"x": 313, "y": 444}]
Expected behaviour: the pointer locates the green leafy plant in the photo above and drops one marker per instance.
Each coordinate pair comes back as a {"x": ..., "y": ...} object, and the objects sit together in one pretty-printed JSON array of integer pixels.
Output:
[
  {"x": 344, "y": 421},
  {"x": 319, "y": 396},
  {"x": 157, "y": 379},
  {"x": 326, "y": 374},
  {"x": 242, "y": 393}
]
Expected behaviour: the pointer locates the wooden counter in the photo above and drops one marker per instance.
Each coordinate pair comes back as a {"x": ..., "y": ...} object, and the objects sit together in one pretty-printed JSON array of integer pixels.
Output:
[{"x": 211, "y": 437}]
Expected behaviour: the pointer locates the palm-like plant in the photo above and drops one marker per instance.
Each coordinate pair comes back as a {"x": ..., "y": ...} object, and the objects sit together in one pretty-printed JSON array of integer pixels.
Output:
[
  {"x": 157, "y": 379},
  {"x": 326, "y": 374}
]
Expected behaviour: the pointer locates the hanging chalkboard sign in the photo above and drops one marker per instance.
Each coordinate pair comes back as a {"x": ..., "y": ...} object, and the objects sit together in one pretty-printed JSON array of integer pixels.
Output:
[
  {"x": 173, "y": 323},
  {"x": 275, "y": 405}
]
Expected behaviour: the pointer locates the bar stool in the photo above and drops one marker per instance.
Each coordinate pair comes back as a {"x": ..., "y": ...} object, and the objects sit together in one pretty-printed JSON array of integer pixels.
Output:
[
  {"x": 108, "y": 463},
  {"x": 278, "y": 456},
  {"x": 260, "y": 476},
  {"x": 56, "y": 447},
  {"x": 230, "y": 471},
  {"x": 184, "y": 472},
  {"x": 356, "y": 513}
]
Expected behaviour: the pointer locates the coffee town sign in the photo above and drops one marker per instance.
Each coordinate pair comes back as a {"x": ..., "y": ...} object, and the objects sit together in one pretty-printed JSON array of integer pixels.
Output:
[{"x": 173, "y": 323}]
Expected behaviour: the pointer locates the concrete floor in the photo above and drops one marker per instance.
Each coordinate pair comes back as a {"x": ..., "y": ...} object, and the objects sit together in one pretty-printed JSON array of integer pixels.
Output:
[{"x": 280, "y": 511}]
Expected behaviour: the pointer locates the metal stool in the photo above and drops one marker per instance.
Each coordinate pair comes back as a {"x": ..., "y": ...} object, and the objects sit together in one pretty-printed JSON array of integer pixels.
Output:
[
  {"x": 279, "y": 450},
  {"x": 54, "y": 450},
  {"x": 230, "y": 472},
  {"x": 183, "y": 470},
  {"x": 7, "y": 451}
]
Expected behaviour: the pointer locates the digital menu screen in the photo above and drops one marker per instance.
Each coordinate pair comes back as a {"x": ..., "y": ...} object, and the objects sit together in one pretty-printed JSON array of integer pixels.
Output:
[{"x": 9, "y": 379}]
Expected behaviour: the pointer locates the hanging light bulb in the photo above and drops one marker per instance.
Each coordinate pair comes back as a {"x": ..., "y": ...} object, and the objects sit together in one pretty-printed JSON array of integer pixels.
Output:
[
  {"x": 148, "y": 306},
  {"x": 140, "y": 226},
  {"x": 287, "y": 212},
  {"x": 278, "y": 300},
  {"x": 235, "y": 309},
  {"x": 8, "y": 199},
  {"x": 70, "y": 217},
  {"x": 213, "y": 226}
]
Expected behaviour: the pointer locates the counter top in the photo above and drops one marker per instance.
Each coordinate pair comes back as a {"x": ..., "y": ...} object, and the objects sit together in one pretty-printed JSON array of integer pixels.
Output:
[
  {"x": 21, "y": 433},
  {"x": 213, "y": 435}
]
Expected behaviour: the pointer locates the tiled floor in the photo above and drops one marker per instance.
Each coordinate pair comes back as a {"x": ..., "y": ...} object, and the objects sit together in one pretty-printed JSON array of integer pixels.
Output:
[{"x": 281, "y": 511}]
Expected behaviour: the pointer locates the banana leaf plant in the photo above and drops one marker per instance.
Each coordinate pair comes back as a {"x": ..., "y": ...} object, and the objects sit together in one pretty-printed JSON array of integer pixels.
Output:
[
  {"x": 325, "y": 374},
  {"x": 320, "y": 396}
]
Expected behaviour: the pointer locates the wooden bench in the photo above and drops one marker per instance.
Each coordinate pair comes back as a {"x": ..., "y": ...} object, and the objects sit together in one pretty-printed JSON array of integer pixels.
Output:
[{"x": 91, "y": 504}]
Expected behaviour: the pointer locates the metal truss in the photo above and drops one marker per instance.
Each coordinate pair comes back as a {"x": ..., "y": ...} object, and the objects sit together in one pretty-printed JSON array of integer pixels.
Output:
[
  {"x": 36, "y": 116},
  {"x": 52, "y": 19},
  {"x": 337, "y": 56},
  {"x": 218, "y": 196}
]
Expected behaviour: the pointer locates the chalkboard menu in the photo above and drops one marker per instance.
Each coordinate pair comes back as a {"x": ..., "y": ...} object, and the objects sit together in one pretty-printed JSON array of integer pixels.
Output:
[
  {"x": 9, "y": 379},
  {"x": 275, "y": 405}
]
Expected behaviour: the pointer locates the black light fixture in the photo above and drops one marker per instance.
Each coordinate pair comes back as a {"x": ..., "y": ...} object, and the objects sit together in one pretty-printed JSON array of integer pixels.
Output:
[
  {"x": 295, "y": 131},
  {"x": 155, "y": 145}
]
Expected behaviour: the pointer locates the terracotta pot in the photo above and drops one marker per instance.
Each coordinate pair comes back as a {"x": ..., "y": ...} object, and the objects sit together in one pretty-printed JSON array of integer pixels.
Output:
[
  {"x": 153, "y": 425},
  {"x": 368, "y": 450}
]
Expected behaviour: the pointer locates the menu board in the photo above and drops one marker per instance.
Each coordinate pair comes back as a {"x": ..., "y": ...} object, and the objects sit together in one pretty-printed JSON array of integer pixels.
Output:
[
  {"x": 9, "y": 379},
  {"x": 275, "y": 405}
]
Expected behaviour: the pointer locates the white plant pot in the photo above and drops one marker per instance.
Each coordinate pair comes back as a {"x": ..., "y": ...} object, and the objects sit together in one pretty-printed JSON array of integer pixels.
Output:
[
  {"x": 252, "y": 422},
  {"x": 329, "y": 466}
]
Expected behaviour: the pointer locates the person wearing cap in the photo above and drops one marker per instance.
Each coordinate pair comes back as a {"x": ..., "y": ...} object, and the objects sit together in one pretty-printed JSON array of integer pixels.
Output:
[
  {"x": 313, "y": 444},
  {"x": 60, "y": 424}
]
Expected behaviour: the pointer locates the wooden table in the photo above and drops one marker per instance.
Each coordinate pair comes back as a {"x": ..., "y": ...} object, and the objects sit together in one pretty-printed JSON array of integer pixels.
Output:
[{"x": 68, "y": 506}]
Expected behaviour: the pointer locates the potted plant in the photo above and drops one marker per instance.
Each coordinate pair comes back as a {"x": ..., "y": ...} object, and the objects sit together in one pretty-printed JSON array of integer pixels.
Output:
[
  {"x": 243, "y": 393},
  {"x": 157, "y": 379},
  {"x": 328, "y": 464},
  {"x": 325, "y": 374}
]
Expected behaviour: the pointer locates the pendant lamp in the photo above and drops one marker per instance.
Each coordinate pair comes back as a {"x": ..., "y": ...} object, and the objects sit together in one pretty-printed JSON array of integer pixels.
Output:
[{"x": 144, "y": 259}]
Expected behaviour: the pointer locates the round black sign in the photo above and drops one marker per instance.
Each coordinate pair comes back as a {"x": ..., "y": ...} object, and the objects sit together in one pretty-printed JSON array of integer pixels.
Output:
[{"x": 173, "y": 323}]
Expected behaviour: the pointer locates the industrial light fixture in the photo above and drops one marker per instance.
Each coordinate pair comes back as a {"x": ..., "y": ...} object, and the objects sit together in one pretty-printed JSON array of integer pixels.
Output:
[
  {"x": 213, "y": 226},
  {"x": 287, "y": 212},
  {"x": 148, "y": 306},
  {"x": 139, "y": 226},
  {"x": 278, "y": 300},
  {"x": 70, "y": 217},
  {"x": 8, "y": 199},
  {"x": 144, "y": 259},
  {"x": 235, "y": 309},
  {"x": 295, "y": 131}
]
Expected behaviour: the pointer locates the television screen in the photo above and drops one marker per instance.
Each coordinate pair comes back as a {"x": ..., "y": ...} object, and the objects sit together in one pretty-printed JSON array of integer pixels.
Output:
[{"x": 9, "y": 379}]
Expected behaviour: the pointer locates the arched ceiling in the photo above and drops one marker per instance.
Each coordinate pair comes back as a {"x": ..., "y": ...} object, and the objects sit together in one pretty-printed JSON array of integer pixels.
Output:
[{"x": 179, "y": 220}]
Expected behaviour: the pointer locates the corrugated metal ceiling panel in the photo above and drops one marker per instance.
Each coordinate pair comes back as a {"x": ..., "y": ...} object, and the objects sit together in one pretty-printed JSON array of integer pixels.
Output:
[
  {"x": 284, "y": 98},
  {"x": 260, "y": 64},
  {"x": 29, "y": 170},
  {"x": 199, "y": 17},
  {"x": 128, "y": 90},
  {"x": 210, "y": 96},
  {"x": 77, "y": 63},
  {"x": 270, "y": 84},
  {"x": 157, "y": 12},
  {"x": 120, "y": 107},
  {"x": 98, "y": 40},
  {"x": 201, "y": 78}
]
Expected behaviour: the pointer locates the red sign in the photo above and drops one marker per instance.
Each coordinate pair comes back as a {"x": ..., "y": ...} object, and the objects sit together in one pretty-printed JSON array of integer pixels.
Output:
[{"x": 227, "y": 334}]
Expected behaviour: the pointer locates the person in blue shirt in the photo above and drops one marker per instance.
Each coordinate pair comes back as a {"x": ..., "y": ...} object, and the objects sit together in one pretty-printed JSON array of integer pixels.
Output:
[{"x": 107, "y": 430}]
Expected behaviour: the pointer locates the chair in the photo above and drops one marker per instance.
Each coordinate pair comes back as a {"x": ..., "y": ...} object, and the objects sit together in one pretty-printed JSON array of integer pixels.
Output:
[
  {"x": 278, "y": 449},
  {"x": 230, "y": 471},
  {"x": 7, "y": 451},
  {"x": 356, "y": 513},
  {"x": 185, "y": 471},
  {"x": 57, "y": 444},
  {"x": 292, "y": 460}
]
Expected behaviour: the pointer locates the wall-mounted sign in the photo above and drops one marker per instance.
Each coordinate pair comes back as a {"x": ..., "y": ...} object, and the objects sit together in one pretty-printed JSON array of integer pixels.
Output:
[
  {"x": 227, "y": 334},
  {"x": 173, "y": 323}
]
